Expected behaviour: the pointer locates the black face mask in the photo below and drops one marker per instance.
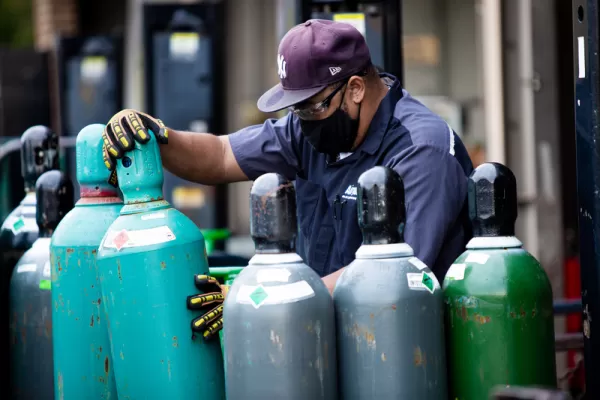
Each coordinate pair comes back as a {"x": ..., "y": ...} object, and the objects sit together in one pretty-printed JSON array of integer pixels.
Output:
[{"x": 333, "y": 135}]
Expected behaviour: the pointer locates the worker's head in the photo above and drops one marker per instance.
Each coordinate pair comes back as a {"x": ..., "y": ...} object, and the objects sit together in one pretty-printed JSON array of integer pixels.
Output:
[{"x": 326, "y": 75}]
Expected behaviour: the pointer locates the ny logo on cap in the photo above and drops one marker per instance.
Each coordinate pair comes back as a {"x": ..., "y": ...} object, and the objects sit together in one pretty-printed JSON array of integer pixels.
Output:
[{"x": 281, "y": 66}]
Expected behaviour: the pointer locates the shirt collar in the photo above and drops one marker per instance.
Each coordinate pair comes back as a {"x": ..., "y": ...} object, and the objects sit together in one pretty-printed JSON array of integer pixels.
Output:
[{"x": 384, "y": 113}]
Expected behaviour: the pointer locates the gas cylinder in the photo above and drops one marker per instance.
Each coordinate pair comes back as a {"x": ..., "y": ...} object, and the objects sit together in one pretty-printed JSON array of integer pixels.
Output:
[
  {"x": 82, "y": 359},
  {"x": 388, "y": 305},
  {"x": 498, "y": 299},
  {"x": 30, "y": 295},
  {"x": 279, "y": 323},
  {"x": 39, "y": 153},
  {"x": 146, "y": 262}
]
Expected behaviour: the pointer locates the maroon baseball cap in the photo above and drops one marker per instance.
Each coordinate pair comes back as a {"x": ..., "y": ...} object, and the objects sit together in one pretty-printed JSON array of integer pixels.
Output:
[{"x": 312, "y": 56}]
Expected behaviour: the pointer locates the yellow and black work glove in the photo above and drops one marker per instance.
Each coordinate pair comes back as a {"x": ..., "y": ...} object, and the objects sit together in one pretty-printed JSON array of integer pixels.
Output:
[
  {"x": 211, "y": 322},
  {"x": 124, "y": 128}
]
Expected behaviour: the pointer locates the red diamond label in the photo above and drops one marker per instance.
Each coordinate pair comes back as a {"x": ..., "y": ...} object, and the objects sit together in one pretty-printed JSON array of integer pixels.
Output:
[{"x": 121, "y": 239}]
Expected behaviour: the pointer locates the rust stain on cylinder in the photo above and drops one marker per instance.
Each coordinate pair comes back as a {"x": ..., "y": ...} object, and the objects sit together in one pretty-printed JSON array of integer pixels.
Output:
[
  {"x": 482, "y": 319},
  {"x": 163, "y": 265},
  {"x": 119, "y": 270},
  {"x": 420, "y": 359},
  {"x": 92, "y": 321},
  {"x": 70, "y": 250},
  {"x": 106, "y": 364},
  {"x": 393, "y": 306},
  {"x": 175, "y": 344}
]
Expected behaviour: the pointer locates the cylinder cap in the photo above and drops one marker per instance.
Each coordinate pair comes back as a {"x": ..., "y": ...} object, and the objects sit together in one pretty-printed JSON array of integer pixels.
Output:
[
  {"x": 273, "y": 224},
  {"x": 39, "y": 153},
  {"x": 54, "y": 192},
  {"x": 140, "y": 173},
  {"x": 381, "y": 210},
  {"x": 492, "y": 189},
  {"x": 92, "y": 174}
]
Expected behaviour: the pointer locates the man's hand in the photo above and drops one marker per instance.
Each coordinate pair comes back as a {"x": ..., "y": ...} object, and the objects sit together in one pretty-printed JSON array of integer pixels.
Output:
[
  {"x": 210, "y": 323},
  {"x": 125, "y": 127}
]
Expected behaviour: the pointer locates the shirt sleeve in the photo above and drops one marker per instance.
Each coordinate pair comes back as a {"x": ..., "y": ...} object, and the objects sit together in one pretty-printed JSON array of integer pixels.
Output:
[
  {"x": 270, "y": 147},
  {"x": 435, "y": 191}
]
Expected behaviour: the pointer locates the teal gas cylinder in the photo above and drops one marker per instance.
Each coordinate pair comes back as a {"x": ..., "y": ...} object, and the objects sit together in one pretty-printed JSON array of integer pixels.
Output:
[
  {"x": 82, "y": 359},
  {"x": 388, "y": 305},
  {"x": 147, "y": 262},
  {"x": 39, "y": 154},
  {"x": 30, "y": 299},
  {"x": 499, "y": 316}
]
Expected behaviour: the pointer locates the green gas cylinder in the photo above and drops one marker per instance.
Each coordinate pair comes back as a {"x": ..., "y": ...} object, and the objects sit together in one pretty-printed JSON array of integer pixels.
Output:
[
  {"x": 82, "y": 359},
  {"x": 30, "y": 299},
  {"x": 498, "y": 299},
  {"x": 147, "y": 262}
]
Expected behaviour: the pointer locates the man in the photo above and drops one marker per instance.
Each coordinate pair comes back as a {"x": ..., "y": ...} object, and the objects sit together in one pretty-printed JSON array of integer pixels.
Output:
[{"x": 345, "y": 119}]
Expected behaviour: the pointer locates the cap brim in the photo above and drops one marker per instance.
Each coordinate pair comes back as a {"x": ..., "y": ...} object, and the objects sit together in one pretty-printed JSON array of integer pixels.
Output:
[{"x": 277, "y": 98}]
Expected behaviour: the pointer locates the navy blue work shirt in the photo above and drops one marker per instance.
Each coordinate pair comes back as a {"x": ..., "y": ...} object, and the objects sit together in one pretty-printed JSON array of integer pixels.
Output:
[{"x": 405, "y": 136}]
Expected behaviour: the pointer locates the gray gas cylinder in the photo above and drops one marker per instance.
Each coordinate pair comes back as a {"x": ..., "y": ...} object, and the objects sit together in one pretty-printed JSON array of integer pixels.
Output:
[
  {"x": 279, "y": 322},
  {"x": 388, "y": 305},
  {"x": 30, "y": 297}
]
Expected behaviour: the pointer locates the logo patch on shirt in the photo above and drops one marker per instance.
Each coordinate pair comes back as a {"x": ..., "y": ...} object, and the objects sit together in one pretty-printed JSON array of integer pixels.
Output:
[{"x": 350, "y": 193}]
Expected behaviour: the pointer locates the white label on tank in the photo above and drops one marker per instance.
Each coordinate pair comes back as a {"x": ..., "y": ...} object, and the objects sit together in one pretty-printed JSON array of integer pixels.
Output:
[
  {"x": 138, "y": 238},
  {"x": 260, "y": 295},
  {"x": 479, "y": 258},
  {"x": 417, "y": 263},
  {"x": 273, "y": 275},
  {"x": 146, "y": 217},
  {"x": 422, "y": 281},
  {"x": 46, "y": 271},
  {"x": 456, "y": 272},
  {"x": 26, "y": 268}
]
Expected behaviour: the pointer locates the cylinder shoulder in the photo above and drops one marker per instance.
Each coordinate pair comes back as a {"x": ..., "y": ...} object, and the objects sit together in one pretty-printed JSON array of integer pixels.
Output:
[
  {"x": 131, "y": 233},
  {"x": 85, "y": 226},
  {"x": 496, "y": 271},
  {"x": 386, "y": 280},
  {"x": 293, "y": 282}
]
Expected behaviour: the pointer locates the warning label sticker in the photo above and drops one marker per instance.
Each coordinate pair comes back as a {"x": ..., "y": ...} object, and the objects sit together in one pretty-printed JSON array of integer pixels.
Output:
[
  {"x": 261, "y": 295},
  {"x": 421, "y": 281},
  {"x": 138, "y": 238}
]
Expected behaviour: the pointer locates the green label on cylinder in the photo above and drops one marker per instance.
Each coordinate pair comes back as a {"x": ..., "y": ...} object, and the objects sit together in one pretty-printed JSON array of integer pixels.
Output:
[
  {"x": 258, "y": 296},
  {"x": 18, "y": 224},
  {"x": 45, "y": 284},
  {"x": 428, "y": 282}
]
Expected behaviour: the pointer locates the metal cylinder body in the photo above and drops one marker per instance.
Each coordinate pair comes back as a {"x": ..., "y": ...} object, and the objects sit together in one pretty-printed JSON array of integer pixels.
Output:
[
  {"x": 82, "y": 350},
  {"x": 31, "y": 366},
  {"x": 499, "y": 319},
  {"x": 279, "y": 323},
  {"x": 389, "y": 319},
  {"x": 31, "y": 325},
  {"x": 39, "y": 153},
  {"x": 146, "y": 263},
  {"x": 499, "y": 314},
  {"x": 279, "y": 332},
  {"x": 82, "y": 361}
]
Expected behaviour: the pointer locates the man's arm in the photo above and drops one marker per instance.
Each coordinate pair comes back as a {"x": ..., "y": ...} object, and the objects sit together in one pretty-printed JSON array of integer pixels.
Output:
[
  {"x": 244, "y": 155},
  {"x": 435, "y": 188},
  {"x": 201, "y": 157}
]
